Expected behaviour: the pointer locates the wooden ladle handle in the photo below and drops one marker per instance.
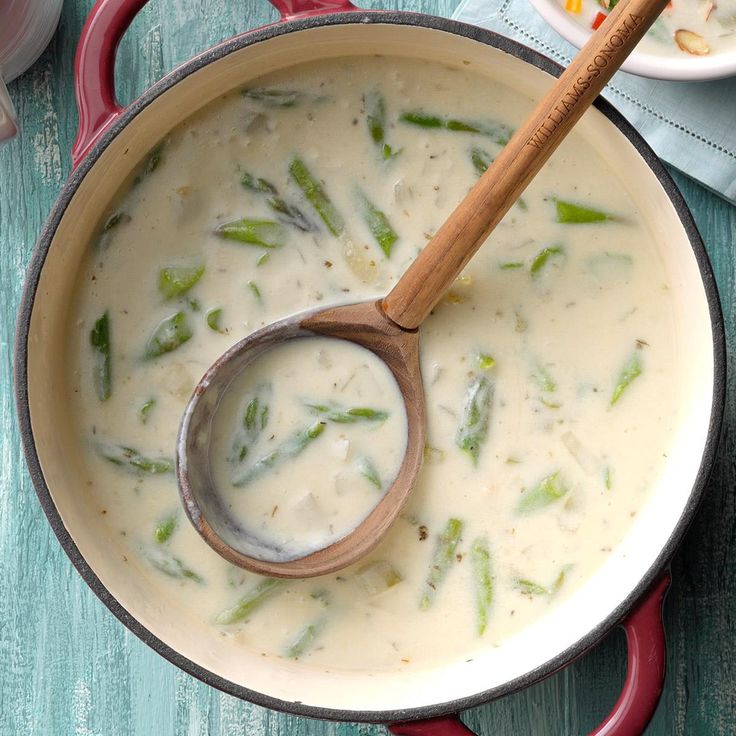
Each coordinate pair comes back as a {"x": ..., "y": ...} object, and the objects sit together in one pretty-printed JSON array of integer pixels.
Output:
[{"x": 457, "y": 240}]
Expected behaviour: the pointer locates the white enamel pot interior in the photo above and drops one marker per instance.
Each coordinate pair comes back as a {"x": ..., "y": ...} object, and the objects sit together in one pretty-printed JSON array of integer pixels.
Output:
[{"x": 53, "y": 450}]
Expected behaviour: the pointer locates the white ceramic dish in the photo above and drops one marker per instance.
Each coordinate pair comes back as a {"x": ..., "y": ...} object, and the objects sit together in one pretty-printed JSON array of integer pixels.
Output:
[{"x": 654, "y": 66}]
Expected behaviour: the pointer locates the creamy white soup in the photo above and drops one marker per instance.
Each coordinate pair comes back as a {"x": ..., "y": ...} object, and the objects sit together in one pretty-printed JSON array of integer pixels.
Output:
[
  {"x": 305, "y": 442},
  {"x": 550, "y": 366},
  {"x": 685, "y": 27}
]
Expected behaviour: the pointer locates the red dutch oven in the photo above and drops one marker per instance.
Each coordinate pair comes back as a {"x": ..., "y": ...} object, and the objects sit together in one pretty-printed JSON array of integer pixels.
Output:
[{"x": 110, "y": 142}]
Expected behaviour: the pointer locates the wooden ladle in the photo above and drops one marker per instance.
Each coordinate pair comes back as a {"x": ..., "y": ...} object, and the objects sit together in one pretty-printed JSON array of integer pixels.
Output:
[{"x": 389, "y": 327}]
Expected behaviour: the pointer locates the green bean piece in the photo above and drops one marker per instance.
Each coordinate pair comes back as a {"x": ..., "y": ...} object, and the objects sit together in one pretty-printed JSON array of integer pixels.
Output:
[
  {"x": 213, "y": 318},
  {"x": 132, "y": 460},
  {"x": 443, "y": 557},
  {"x": 481, "y": 160},
  {"x": 379, "y": 225},
  {"x": 339, "y": 414},
  {"x": 174, "y": 281},
  {"x": 375, "y": 114},
  {"x": 165, "y": 528},
  {"x": 292, "y": 447},
  {"x": 274, "y": 97},
  {"x": 305, "y": 639},
  {"x": 171, "y": 333},
  {"x": 257, "y": 184},
  {"x": 145, "y": 410},
  {"x": 172, "y": 566},
  {"x": 255, "y": 420},
  {"x": 117, "y": 218},
  {"x": 546, "y": 492},
  {"x": 481, "y": 557},
  {"x": 631, "y": 370},
  {"x": 265, "y": 233},
  {"x": 317, "y": 197},
  {"x": 543, "y": 378},
  {"x": 250, "y": 602},
  {"x": 570, "y": 213},
  {"x": 369, "y": 471},
  {"x": 551, "y": 252},
  {"x": 473, "y": 429},
  {"x": 529, "y": 587},
  {"x": 99, "y": 339},
  {"x": 498, "y": 132}
]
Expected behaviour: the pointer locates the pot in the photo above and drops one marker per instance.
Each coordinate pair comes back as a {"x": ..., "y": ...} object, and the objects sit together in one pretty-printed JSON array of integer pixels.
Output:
[{"x": 110, "y": 143}]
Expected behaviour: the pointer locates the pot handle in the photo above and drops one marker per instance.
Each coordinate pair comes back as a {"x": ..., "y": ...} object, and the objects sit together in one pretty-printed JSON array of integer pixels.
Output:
[
  {"x": 290, "y": 9},
  {"x": 94, "y": 69},
  {"x": 641, "y": 691},
  {"x": 94, "y": 65}
]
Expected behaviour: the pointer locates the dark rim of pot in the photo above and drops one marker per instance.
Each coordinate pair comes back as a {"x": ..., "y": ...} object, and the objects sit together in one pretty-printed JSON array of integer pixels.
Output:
[{"x": 21, "y": 375}]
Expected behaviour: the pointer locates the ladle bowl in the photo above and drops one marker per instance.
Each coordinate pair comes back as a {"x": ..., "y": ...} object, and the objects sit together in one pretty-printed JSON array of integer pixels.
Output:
[{"x": 365, "y": 324}]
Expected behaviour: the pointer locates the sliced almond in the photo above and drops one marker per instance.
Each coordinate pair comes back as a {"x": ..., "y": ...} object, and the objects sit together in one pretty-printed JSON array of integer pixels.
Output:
[
  {"x": 691, "y": 42},
  {"x": 709, "y": 8}
]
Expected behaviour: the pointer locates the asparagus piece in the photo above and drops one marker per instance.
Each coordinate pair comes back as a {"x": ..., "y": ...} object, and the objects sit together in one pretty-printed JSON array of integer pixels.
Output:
[
  {"x": 375, "y": 110},
  {"x": 529, "y": 587},
  {"x": 257, "y": 184},
  {"x": 172, "y": 566},
  {"x": 498, "y": 132},
  {"x": 336, "y": 413},
  {"x": 608, "y": 477},
  {"x": 560, "y": 579},
  {"x": 305, "y": 639},
  {"x": 255, "y": 419},
  {"x": 510, "y": 265},
  {"x": 369, "y": 471},
  {"x": 145, "y": 410},
  {"x": 133, "y": 461},
  {"x": 570, "y": 213},
  {"x": 250, "y": 602},
  {"x": 317, "y": 197},
  {"x": 213, "y": 319},
  {"x": 547, "y": 491},
  {"x": 165, "y": 528},
  {"x": 631, "y": 370},
  {"x": 117, "y": 218},
  {"x": 296, "y": 444},
  {"x": 171, "y": 333},
  {"x": 174, "y": 281},
  {"x": 265, "y": 233},
  {"x": 481, "y": 160},
  {"x": 473, "y": 429},
  {"x": 99, "y": 339},
  {"x": 287, "y": 213},
  {"x": 484, "y": 361},
  {"x": 274, "y": 97},
  {"x": 481, "y": 558},
  {"x": 543, "y": 257},
  {"x": 256, "y": 291},
  {"x": 543, "y": 378},
  {"x": 444, "y": 556},
  {"x": 154, "y": 158},
  {"x": 379, "y": 225}
]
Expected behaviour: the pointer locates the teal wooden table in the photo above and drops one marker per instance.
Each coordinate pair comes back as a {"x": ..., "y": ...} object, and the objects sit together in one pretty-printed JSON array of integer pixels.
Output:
[{"x": 68, "y": 667}]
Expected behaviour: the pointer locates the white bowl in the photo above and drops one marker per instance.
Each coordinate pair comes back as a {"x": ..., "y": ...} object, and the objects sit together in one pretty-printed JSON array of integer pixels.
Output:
[{"x": 655, "y": 66}]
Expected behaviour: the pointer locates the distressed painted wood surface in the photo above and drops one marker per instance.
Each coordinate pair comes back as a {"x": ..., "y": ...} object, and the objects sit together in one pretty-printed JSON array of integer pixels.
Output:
[{"x": 67, "y": 667}]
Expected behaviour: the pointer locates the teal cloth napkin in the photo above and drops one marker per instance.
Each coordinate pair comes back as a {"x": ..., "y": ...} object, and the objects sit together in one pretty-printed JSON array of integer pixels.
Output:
[{"x": 691, "y": 125}]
